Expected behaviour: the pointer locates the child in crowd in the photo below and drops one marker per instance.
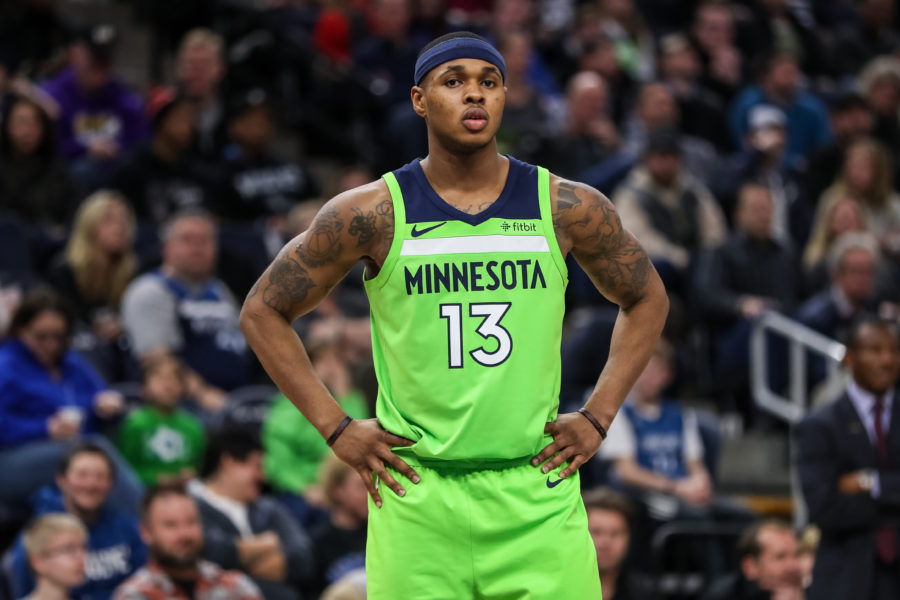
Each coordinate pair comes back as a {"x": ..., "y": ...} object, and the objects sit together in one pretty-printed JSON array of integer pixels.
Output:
[
  {"x": 162, "y": 442},
  {"x": 55, "y": 545}
]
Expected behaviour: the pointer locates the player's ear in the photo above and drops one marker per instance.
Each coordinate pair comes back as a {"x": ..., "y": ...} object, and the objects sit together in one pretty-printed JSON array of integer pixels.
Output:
[{"x": 417, "y": 94}]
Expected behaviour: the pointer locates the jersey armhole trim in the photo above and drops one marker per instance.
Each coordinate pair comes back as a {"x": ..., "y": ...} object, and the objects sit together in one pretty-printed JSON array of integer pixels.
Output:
[
  {"x": 547, "y": 220},
  {"x": 397, "y": 242}
]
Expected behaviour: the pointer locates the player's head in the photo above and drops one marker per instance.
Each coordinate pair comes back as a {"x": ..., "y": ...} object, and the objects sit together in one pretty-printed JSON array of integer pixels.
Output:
[{"x": 459, "y": 91}]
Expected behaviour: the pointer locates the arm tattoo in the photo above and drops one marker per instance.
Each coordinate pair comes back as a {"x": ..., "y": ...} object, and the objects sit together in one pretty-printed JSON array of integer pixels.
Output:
[
  {"x": 322, "y": 245},
  {"x": 289, "y": 283},
  {"x": 362, "y": 226},
  {"x": 607, "y": 252}
]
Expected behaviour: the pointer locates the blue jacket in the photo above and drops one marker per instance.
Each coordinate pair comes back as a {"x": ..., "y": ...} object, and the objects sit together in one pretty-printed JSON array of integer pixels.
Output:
[
  {"x": 808, "y": 127},
  {"x": 29, "y": 396},
  {"x": 115, "y": 551}
]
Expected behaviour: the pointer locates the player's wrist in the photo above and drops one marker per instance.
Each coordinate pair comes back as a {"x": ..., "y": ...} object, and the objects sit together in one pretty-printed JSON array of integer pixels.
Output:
[
  {"x": 336, "y": 433},
  {"x": 593, "y": 421}
]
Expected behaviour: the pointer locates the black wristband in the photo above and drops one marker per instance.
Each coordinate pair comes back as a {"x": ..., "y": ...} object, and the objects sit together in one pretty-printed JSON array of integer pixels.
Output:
[
  {"x": 600, "y": 428},
  {"x": 338, "y": 430}
]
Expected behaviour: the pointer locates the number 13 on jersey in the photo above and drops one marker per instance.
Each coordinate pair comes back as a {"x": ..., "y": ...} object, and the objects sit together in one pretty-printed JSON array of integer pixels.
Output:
[{"x": 490, "y": 327}]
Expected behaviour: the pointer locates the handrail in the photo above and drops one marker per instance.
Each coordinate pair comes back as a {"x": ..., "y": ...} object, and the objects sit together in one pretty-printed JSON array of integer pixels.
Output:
[{"x": 801, "y": 339}]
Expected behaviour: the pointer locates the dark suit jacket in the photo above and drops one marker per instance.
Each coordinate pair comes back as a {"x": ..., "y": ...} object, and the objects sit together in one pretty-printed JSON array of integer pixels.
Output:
[{"x": 830, "y": 442}]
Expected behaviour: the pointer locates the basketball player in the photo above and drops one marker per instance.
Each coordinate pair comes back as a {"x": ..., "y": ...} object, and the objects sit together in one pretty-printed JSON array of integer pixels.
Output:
[{"x": 465, "y": 272}]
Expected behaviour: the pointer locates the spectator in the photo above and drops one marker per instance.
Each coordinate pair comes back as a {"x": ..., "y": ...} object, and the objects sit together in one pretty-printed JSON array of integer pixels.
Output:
[
  {"x": 866, "y": 177},
  {"x": 100, "y": 120},
  {"x": 340, "y": 543},
  {"x": 200, "y": 69},
  {"x": 114, "y": 548},
  {"x": 736, "y": 282},
  {"x": 713, "y": 36},
  {"x": 162, "y": 176},
  {"x": 808, "y": 129},
  {"x": 589, "y": 135},
  {"x": 243, "y": 529},
  {"x": 856, "y": 43},
  {"x": 623, "y": 23},
  {"x": 34, "y": 184},
  {"x": 769, "y": 566},
  {"x": 609, "y": 520},
  {"x": 49, "y": 396},
  {"x": 527, "y": 116},
  {"x": 262, "y": 183},
  {"x": 170, "y": 526},
  {"x": 654, "y": 444},
  {"x": 294, "y": 449},
  {"x": 761, "y": 161},
  {"x": 598, "y": 55},
  {"x": 55, "y": 547},
  {"x": 672, "y": 214},
  {"x": 182, "y": 308},
  {"x": 91, "y": 275},
  {"x": 879, "y": 83},
  {"x": 162, "y": 442},
  {"x": 702, "y": 112},
  {"x": 851, "y": 119},
  {"x": 847, "y": 463},
  {"x": 844, "y": 216}
]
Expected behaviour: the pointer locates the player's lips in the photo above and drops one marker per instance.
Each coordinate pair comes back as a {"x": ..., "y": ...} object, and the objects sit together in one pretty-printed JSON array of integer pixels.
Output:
[{"x": 475, "y": 119}]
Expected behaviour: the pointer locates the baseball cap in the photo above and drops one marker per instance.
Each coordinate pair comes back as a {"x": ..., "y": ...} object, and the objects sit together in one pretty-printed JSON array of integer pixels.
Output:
[
  {"x": 663, "y": 141},
  {"x": 101, "y": 41},
  {"x": 765, "y": 116}
]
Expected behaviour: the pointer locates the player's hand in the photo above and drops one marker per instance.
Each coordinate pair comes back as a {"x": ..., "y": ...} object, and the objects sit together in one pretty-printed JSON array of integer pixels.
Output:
[
  {"x": 574, "y": 441},
  {"x": 366, "y": 446}
]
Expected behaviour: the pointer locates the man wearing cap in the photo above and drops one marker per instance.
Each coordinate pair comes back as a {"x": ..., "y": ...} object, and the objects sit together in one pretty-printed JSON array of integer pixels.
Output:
[
  {"x": 465, "y": 270},
  {"x": 99, "y": 119}
]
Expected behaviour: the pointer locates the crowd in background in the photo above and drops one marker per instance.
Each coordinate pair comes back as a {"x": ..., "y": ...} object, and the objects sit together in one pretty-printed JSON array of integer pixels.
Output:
[{"x": 752, "y": 146}]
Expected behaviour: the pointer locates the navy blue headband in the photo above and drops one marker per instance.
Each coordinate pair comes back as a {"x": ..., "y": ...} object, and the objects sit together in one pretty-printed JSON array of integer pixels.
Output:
[{"x": 462, "y": 47}]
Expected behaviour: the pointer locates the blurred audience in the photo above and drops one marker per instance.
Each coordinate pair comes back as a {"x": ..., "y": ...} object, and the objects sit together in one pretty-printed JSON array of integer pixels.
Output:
[
  {"x": 171, "y": 528},
  {"x": 50, "y": 397},
  {"x": 55, "y": 549},
  {"x": 35, "y": 185},
  {"x": 843, "y": 216},
  {"x": 113, "y": 550},
  {"x": 769, "y": 566},
  {"x": 339, "y": 544},
  {"x": 162, "y": 442},
  {"x": 847, "y": 463},
  {"x": 91, "y": 275},
  {"x": 200, "y": 69},
  {"x": 609, "y": 517},
  {"x": 184, "y": 309},
  {"x": 244, "y": 529},
  {"x": 100, "y": 120},
  {"x": 294, "y": 448}
]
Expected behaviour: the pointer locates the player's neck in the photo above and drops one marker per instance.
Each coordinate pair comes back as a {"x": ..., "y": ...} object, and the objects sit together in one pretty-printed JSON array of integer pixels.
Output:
[{"x": 445, "y": 169}]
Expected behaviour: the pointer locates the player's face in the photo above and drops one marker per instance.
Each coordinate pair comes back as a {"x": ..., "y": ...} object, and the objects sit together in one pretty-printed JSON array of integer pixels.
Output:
[
  {"x": 609, "y": 532},
  {"x": 462, "y": 103}
]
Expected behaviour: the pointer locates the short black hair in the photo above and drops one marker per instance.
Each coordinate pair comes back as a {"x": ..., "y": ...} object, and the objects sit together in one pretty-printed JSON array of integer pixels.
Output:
[
  {"x": 604, "y": 498},
  {"x": 86, "y": 448},
  {"x": 748, "y": 545},
  {"x": 449, "y": 36},
  {"x": 36, "y": 302},
  {"x": 155, "y": 492},
  {"x": 867, "y": 319},
  {"x": 235, "y": 442}
]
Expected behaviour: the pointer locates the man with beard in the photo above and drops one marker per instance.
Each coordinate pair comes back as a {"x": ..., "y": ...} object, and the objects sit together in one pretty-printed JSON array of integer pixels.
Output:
[{"x": 170, "y": 526}]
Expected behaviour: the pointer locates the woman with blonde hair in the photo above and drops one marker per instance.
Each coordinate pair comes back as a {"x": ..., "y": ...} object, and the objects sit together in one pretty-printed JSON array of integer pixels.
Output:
[
  {"x": 93, "y": 271},
  {"x": 843, "y": 215},
  {"x": 867, "y": 177}
]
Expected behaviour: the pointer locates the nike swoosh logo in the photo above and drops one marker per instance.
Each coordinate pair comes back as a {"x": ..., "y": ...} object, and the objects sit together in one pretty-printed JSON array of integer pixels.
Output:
[
  {"x": 418, "y": 232},
  {"x": 553, "y": 484}
]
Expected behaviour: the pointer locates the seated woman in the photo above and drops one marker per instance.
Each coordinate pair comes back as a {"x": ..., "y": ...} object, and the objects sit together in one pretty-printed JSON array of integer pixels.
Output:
[
  {"x": 91, "y": 275},
  {"x": 49, "y": 398}
]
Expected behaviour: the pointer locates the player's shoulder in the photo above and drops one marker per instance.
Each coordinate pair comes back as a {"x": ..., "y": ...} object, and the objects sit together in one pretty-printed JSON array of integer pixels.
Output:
[{"x": 365, "y": 197}]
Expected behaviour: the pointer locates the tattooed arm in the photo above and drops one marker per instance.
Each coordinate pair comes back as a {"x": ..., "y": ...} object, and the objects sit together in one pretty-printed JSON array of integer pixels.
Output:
[
  {"x": 587, "y": 225},
  {"x": 356, "y": 225}
]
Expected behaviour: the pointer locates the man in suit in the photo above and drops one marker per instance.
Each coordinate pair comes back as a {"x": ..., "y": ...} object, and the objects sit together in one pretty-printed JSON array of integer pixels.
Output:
[{"x": 848, "y": 457}]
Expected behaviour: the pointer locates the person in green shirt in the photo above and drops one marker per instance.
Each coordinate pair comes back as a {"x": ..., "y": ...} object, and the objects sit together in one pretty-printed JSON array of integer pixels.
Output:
[
  {"x": 294, "y": 448},
  {"x": 162, "y": 442}
]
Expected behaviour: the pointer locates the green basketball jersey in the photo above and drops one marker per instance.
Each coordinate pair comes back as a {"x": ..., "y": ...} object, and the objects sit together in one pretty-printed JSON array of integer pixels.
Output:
[{"x": 467, "y": 318}]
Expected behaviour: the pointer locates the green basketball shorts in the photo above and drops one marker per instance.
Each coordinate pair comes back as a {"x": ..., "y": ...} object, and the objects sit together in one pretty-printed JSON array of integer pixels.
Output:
[{"x": 505, "y": 532}]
